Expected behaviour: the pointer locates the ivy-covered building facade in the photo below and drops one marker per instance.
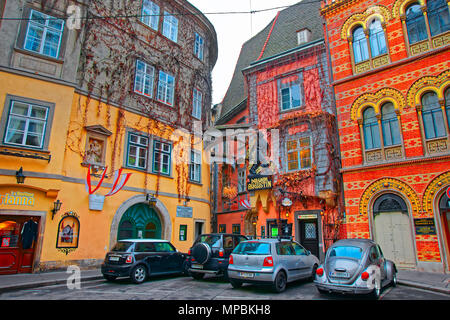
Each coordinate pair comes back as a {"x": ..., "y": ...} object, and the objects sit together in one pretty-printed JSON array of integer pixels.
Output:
[{"x": 95, "y": 99}]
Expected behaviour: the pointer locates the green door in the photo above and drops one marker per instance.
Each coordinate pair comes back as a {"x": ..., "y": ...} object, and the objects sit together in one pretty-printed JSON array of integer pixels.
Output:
[{"x": 139, "y": 221}]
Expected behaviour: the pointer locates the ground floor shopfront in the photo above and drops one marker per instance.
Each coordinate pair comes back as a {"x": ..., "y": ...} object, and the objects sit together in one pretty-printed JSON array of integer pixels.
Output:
[
  {"x": 33, "y": 238},
  {"x": 407, "y": 212}
]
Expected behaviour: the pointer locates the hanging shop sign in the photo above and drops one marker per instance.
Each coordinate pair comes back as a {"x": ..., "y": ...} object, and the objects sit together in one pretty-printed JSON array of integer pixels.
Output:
[
  {"x": 68, "y": 233},
  {"x": 425, "y": 226},
  {"x": 259, "y": 183},
  {"x": 184, "y": 212},
  {"x": 17, "y": 198}
]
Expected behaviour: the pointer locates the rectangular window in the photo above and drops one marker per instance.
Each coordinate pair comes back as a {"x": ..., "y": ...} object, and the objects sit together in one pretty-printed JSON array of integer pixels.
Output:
[
  {"x": 197, "y": 104},
  {"x": 299, "y": 155},
  {"x": 242, "y": 187},
  {"x": 290, "y": 96},
  {"x": 183, "y": 232},
  {"x": 137, "y": 151},
  {"x": 143, "y": 81},
  {"x": 236, "y": 229},
  {"x": 170, "y": 27},
  {"x": 166, "y": 87},
  {"x": 150, "y": 14},
  {"x": 161, "y": 157},
  {"x": 222, "y": 228},
  {"x": 195, "y": 166},
  {"x": 44, "y": 34},
  {"x": 198, "y": 46},
  {"x": 26, "y": 125}
]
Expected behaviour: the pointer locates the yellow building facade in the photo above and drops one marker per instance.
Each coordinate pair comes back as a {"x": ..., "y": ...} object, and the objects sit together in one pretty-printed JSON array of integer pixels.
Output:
[{"x": 62, "y": 135}]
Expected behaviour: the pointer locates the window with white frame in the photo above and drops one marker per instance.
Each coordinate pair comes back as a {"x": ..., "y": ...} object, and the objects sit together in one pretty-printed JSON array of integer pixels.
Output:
[
  {"x": 143, "y": 82},
  {"x": 150, "y": 14},
  {"x": 161, "y": 157},
  {"x": 198, "y": 46},
  {"x": 26, "y": 125},
  {"x": 44, "y": 34},
  {"x": 166, "y": 88},
  {"x": 290, "y": 96},
  {"x": 170, "y": 27},
  {"x": 299, "y": 155},
  {"x": 303, "y": 36},
  {"x": 195, "y": 166},
  {"x": 197, "y": 104},
  {"x": 137, "y": 151}
]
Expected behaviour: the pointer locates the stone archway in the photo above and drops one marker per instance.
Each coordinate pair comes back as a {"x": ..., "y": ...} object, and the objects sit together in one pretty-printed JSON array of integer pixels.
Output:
[{"x": 161, "y": 211}]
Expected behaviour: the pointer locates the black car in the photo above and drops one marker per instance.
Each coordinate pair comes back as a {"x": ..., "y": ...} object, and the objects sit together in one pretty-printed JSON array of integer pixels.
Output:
[
  {"x": 210, "y": 253},
  {"x": 140, "y": 258}
]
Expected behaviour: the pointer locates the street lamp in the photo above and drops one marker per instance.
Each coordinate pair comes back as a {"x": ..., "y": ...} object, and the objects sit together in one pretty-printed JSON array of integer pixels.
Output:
[
  {"x": 20, "y": 176},
  {"x": 56, "y": 207},
  {"x": 151, "y": 200}
]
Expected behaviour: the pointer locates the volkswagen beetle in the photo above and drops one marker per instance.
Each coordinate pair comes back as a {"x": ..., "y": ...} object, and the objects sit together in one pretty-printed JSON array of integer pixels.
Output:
[{"x": 355, "y": 266}]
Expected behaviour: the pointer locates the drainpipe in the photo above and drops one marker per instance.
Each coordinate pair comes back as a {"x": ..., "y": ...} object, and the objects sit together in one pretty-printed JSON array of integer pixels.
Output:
[{"x": 331, "y": 79}]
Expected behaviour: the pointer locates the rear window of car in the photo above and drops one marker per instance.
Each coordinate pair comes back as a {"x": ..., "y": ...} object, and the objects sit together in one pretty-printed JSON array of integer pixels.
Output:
[
  {"x": 346, "y": 252},
  {"x": 253, "y": 248},
  {"x": 123, "y": 246},
  {"x": 212, "y": 240}
]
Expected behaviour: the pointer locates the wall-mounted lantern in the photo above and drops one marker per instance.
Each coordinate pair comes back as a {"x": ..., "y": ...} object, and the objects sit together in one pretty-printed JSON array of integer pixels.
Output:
[
  {"x": 20, "y": 176},
  {"x": 56, "y": 207},
  {"x": 150, "y": 198}
]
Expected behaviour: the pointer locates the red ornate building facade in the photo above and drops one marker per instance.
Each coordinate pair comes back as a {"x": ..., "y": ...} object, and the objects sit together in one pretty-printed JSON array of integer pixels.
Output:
[{"x": 390, "y": 65}]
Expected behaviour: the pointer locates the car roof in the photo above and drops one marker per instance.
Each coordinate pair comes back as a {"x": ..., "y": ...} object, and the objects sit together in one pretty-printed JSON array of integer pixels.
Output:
[
  {"x": 268, "y": 240},
  {"x": 362, "y": 243},
  {"x": 143, "y": 240}
]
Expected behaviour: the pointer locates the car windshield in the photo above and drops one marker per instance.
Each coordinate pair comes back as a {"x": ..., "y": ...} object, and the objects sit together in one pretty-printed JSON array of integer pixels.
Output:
[
  {"x": 255, "y": 248},
  {"x": 122, "y": 246},
  {"x": 347, "y": 252},
  {"x": 212, "y": 240}
]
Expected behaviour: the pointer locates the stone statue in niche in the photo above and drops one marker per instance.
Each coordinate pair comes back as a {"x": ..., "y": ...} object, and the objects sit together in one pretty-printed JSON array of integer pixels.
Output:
[{"x": 94, "y": 152}]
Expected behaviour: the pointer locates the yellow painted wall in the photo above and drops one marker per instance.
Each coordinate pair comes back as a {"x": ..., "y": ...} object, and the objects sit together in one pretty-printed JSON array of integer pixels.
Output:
[{"x": 67, "y": 145}]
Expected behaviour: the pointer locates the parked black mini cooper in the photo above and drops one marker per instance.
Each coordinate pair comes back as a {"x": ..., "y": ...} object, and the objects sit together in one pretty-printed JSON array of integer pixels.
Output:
[
  {"x": 210, "y": 253},
  {"x": 140, "y": 258}
]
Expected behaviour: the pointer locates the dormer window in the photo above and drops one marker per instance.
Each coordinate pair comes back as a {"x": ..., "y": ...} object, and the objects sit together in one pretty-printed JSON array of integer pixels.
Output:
[{"x": 303, "y": 36}]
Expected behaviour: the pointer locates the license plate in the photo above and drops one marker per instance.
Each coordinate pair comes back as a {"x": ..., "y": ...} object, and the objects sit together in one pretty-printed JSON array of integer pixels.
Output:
[
  {"x": 246, "y": 274},
  {"x": 113, "y": 258},
  {"x": 340, "y": 274},
  {"x": 197, "y": 266}
]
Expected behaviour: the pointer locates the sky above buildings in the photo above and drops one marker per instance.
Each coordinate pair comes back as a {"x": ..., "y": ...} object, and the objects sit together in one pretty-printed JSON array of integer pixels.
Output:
[{"x": 234, "y": 25}]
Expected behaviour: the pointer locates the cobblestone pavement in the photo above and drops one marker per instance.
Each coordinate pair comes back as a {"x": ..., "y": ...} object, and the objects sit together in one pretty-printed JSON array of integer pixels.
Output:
[{"x": 210, "y": 288}]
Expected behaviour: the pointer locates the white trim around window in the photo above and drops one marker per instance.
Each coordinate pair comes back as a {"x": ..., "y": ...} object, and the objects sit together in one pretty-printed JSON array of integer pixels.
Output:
[
  {"x": 144, "y": 78},
  {"x": 195, "y": 166},
  {"x": 170, "y": 27},
  {"x": 197, "y": 102}
]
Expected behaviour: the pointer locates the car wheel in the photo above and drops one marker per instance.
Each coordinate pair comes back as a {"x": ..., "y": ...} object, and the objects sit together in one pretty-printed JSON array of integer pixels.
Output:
[
  {"x": 139, "y": 274},
  {"x": 279, "y": 285},
  {"x": 197, "y": 276},
  {"x": 225, "y": 275},
  {"x": 109, "y": 277},
  {"x": 376, "y": 293},
  {"x": 313, "y": 274},
  {"x": 236, "y": 283},
  {"x": 185, "y": 269},
  {"x": 394, "y": 280},
  {"x": 321, "y": 291}
]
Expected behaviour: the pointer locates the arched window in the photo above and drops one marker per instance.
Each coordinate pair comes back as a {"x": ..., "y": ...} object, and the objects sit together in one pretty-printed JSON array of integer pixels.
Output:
[
  {"x": 370, "y": 129},
  {"x": 377, "y": 39},
  {"x": 438, "y": 16},
  {"x": 360, "y": 49},
  {"x": 433, "y": 120},
  {"x": 447, "y": 104},
  {"x": 389, "y": 124},
  {"x": 415, "y": 23}
]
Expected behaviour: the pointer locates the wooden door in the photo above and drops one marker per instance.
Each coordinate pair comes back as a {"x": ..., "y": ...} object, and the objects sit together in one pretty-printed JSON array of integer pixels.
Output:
[
  {"x": 309, "y": 236},
  {"x": 15, "y": 257},
  {"x": 393, "y": 234}
]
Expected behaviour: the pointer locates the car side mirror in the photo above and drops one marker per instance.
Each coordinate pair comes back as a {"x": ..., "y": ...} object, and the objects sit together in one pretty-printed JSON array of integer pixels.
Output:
[{"x": 308, "y": 252}]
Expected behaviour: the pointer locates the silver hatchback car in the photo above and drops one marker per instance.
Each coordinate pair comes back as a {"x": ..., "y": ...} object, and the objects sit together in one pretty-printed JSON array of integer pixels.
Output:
[{"x": 270, "y": 261}]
